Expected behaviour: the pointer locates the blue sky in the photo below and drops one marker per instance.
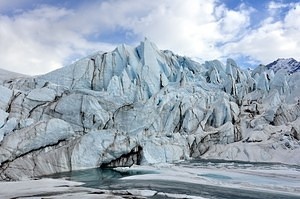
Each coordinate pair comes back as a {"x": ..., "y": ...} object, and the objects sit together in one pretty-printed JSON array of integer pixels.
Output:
[{"x": 37, "y": 36}]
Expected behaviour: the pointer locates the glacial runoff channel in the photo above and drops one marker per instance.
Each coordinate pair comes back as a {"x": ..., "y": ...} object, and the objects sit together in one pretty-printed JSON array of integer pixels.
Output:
[{"x": 197, "y": 179}]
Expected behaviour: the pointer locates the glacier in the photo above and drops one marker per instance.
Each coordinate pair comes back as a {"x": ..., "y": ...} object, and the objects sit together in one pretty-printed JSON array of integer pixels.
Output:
[{"x": 142, "y": 105}]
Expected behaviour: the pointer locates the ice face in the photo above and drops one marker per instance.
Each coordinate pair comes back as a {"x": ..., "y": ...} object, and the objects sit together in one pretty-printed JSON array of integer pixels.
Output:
[{"x": 142, "y": 106}]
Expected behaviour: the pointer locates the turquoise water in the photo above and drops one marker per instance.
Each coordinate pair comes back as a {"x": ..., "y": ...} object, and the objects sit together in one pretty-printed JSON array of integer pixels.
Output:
[
  {"x": 215, "y": 176},
  {"x": 112, "y": 180},
  {"x": 97, "y": 177}
]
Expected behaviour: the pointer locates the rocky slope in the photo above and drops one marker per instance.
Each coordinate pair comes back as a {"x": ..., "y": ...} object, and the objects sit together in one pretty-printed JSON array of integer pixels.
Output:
[
  {"x": 288, "y": 65},
  {"x": 144, "y": 106}
]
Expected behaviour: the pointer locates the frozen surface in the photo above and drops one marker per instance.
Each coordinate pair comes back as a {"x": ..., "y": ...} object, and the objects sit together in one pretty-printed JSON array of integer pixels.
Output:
[
  {"x": 9, "y": 76},
  {"x": 258, "y": 177},
  {"x": 142, "y": 105},
  {"x": 197, "y": 179},
  {"x": 57, "y": 188}
]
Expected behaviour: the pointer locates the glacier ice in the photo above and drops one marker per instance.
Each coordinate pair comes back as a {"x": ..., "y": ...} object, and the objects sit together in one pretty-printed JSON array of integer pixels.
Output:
[{"x": 142, "y": 105}]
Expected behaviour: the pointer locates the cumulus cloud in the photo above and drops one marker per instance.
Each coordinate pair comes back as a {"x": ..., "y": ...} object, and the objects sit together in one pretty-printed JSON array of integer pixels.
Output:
[
  {"x": 39, "y": 40},
  {"x": 193, "y": 28},
  {"x": 274, "y": 38},
  {"x": 187, "y": 27}
]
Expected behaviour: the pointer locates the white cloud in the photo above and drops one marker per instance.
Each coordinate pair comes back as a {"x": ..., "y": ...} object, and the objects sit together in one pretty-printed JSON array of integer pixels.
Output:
[
  {"x": 186, "y": 27},
  {"x": 40, "y": 40},
  {"x": 272, "y": 40},
  {"x": 191, "y": 27},
  {"x": 44, "y": 38},
  {"x": 273, "y": 5}
]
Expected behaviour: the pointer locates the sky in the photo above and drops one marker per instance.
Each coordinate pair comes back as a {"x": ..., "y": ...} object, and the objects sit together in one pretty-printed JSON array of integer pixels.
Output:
[{"x": 38, "y": 36}]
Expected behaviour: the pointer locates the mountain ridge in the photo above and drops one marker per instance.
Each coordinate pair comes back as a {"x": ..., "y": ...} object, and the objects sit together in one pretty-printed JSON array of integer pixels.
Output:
[{"x": 288, "y": 64}]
